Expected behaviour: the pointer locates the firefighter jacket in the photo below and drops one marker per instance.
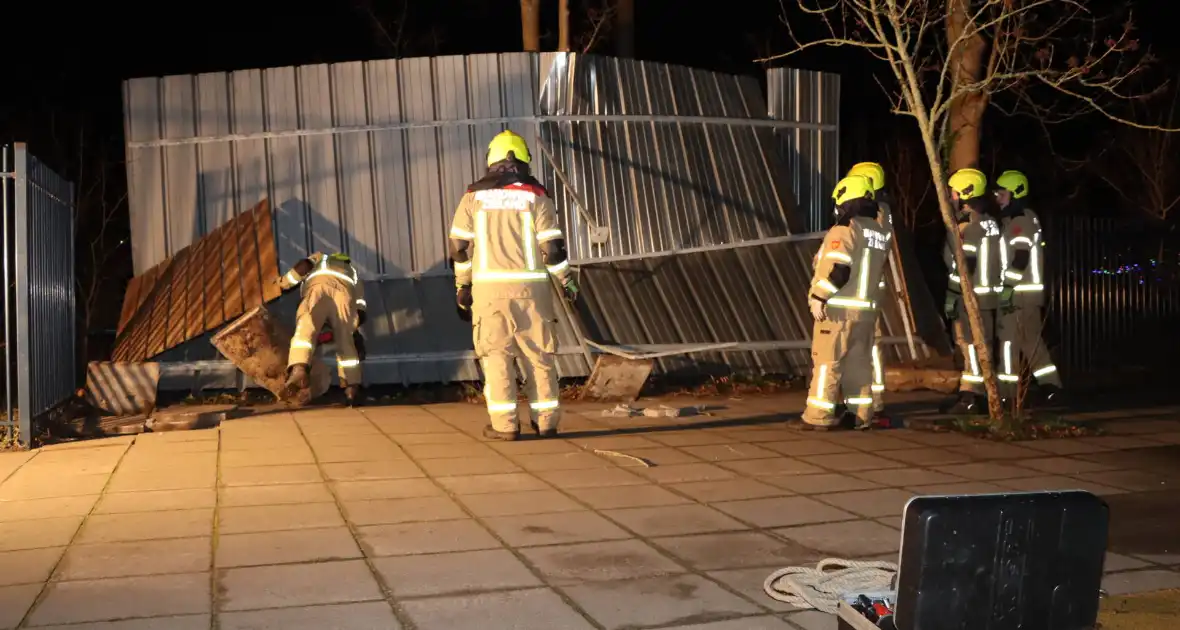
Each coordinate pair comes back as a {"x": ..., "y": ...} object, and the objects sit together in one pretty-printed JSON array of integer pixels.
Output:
[
  {"x": 850, "y": 269},
  {"x": 318, "y": 268},
  {"x": 985, "y": 252},
  {"x": 505, "y": 242},
  {"x": 1024, "y": 260}
]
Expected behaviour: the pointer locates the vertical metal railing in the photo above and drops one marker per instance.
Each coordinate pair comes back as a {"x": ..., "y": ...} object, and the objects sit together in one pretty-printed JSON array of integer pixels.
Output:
[{"x": 38, "y": 267}]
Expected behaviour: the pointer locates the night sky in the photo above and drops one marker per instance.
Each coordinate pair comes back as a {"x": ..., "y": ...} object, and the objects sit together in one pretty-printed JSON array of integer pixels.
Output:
[{"x": 64, "y": 65}]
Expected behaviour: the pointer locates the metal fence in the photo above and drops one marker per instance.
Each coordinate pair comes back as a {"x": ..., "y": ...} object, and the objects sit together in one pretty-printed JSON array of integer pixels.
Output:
[
  {"x": 38, "y": 233},
  {"x": 1114, "y": 302}
]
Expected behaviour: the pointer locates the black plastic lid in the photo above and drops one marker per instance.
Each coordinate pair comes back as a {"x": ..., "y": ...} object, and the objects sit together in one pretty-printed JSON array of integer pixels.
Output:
[{"x": 1028, "y": 561}]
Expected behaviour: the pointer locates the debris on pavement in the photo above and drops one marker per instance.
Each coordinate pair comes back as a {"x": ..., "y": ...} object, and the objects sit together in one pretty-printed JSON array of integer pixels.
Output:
[
  {"x": 646, "y": 463},
  {"x": 188, "y": 417},
  {"x": 258, "y": 343},
  {"x": 662, "y": 411}
]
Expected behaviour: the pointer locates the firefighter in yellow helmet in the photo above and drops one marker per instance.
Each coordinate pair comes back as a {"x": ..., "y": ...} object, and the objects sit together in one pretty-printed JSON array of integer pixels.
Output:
[
  {"x": 332, "y": 294},
  {"x": 984, "y": 251},
  {"x": 505, "y": 243},
  {"x": 845, "y": 289},
  {"x": 875, "y": 173},
  {"x": 1023, "y": 297}
]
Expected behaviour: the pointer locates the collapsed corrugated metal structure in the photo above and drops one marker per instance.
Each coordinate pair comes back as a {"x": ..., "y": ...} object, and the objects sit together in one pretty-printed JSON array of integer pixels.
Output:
[{"x": 652, "y": 166}]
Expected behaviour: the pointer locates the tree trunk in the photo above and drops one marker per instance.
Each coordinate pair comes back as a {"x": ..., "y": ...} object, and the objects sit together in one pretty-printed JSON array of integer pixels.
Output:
[
  {"x": 625, "y": 29},
  {"x": 966, "y": 111},
  {"x": 563, "y": 25},
  {"x": 530, "y": 23}
]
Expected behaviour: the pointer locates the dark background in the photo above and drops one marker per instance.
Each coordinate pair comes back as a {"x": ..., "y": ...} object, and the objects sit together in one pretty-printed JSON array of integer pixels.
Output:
[{"x": 60, "y": 88}]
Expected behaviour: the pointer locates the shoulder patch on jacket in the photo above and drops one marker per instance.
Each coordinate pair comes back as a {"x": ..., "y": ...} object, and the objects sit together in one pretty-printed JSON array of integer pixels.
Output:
[{"x": 536, "y": 189}]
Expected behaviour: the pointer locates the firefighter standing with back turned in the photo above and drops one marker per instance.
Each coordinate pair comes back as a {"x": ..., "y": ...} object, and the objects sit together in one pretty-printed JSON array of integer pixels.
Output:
[
  {"x": 876, "y": 175},
  {"x": 984, "y": 252},
  {"x": 332, "y": 293},
  {"x": 843, "y": 299},
  {"x": 1019, "y": 329},
  {"x": 505, "y": 242}
]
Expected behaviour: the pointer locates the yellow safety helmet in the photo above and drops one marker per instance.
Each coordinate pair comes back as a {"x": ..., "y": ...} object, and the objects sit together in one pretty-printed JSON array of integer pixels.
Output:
[
  {"x": 507, "y": 143},
  {"x": 1014, "y": 182},
  {"x": 969, "y": 183},
  {"x": 871, "y": 170},
  {"x": 852, "y": 187}
]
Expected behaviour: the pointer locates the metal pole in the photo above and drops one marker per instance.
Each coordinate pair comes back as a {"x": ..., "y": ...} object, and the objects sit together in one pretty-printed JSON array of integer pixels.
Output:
[
  {"x": 9, "y": 343},
  {"x": 21, "y": 271}
]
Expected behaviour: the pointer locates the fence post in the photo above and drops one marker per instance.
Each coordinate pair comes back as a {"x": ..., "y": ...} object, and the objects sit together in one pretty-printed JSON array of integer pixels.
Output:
[{"x": 20, "y": 268}]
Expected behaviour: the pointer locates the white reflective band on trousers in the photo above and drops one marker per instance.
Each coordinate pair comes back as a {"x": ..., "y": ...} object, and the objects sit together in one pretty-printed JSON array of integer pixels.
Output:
[
  {"x": 816, "y": 399},
  {"x": 972, "y": 374}
]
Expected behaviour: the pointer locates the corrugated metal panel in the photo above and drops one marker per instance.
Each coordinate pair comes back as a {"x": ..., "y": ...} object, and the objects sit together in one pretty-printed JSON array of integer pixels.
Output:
[
  {"x": 752, "y": 294},
  {"x": 812, "y": 147}
]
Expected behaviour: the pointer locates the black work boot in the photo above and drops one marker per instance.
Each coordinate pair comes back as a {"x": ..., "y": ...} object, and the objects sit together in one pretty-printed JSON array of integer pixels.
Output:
[
  {"x": 352, "y": 393},
  {"x": 968, "y": 403},
  {"x": 547, "y": 433},
  {"x": 297, "y": 378},
  {"x": 491, "y": 433}
]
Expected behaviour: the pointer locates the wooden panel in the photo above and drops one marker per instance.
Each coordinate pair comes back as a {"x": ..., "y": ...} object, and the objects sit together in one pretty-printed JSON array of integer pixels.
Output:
[
  {"x": 122, "y": 388},
  {"x": 205, "y": 285}
]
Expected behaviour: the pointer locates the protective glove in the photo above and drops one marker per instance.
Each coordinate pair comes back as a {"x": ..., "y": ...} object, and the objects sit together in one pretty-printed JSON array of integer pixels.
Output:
[
  {"x": 358, "y": 340},
  {"x": 1006, "y": 301},
  {"x": 570, "y": 287},
  {"x": 819, "y": 308},
  {"x": 951, "y": 307},
  {"x": 463, "y": 301}
]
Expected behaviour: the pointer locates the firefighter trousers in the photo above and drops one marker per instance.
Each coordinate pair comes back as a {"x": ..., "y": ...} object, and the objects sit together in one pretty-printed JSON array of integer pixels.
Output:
[
  {"x": 972, "y": 378},
  {"x": 506, "y": 330},
  {"x": 841, "y": 354},
  {"x": 332, "y": 303},
  {"x": 1020, "y": 337}
]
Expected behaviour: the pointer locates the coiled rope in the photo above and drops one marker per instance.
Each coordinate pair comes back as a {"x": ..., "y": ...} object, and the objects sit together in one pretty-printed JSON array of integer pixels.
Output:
[{"x": 823, "y": 587}]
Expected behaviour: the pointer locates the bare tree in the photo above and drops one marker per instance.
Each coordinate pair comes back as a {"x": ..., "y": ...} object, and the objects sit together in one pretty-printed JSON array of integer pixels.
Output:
[
  {"x": 563, "y": 25},
  {"x": 909, "y": 180},
  {"x": 1141, "y": 165},
  {"x": 1036, "y": 52},
  {"x": 530, "y": 24},
  {"x": 598, "y": 24}
]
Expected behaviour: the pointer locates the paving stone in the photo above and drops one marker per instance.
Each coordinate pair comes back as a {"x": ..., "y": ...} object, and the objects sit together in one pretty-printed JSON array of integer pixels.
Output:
[
  {"x": 952, "y": 489},
  {"x": 729, "y": 490},
  {"x": 626, "y": 497},
  {"x": 853, "y": 539},
  {"x": 1129, "y": 582},
  {"x": 906, "y": 477},
  {"x": 300, "y": 545},
  {"x": 940, "y": 439},
  {"x": 57, "y": 507},
  {"x": 987, "y": 471},
  {"x": 451, "y": 573},
  {"x": 141, "y": 557},
  {"x": 731, "y": 551},
  {"x": 1115, "y": 563},
  {"x": 851, "y": 462},
  {"x": 297, "y": 585},
  {"x": 745, "y": 623},
  {"x": 28, "y": 566},
  {"x": 270, "y": 475},
  {"x": 430, "y": 537},
  {"x": 267, "y": 457},
  {"x": 560, "y": 461},
  {"x": 363, "y": 616},
  {"x": 537, "y": 609},
  {"x": 15, "y": 601},
  {"x": 156, "y": 501},
  {"x": 796, "y": 448},
  {"x": 1116, "y": 442},
  {"x": 813, "y": 620},
  {"x": 534, "y": 447},
  {"x": 1131, "y": 480},
  {"x": 762, "y": 434},
  {"x": 677, "y": 520},
  {"x": 442, "y": 437},
  {"x": 661, "y": 456},
  {"x": 776, "y": 466},
  {"x": 518, "y": 503},
  {"x": 392, "y": 511},
  {"x": 621, "y": 443},
  {"x": 1063, "y": 465},
  {"x": 599, "y": 562},
  {"x": 749, "y": 582},
  {"x": 183, "y": 622},
  {"x": 458, "y": 467},
  {"x": 484, "y": 484},
  {"x": 163, "y": 479},
  {"x": 927, "y": 456},
  {"x": 45, "y": 532},
  {"x": 370, "y": 471},
  {"x": 550, "y": 529},
  {"x": 993, "y": 450},
  {"x": 122, "y": 598},
  {"x": 873, "y": 503},
  {"x": 147, "y": 526},
  {"x": 682, "y": 473},
  {"x": 447, "y": 451},
  {"x": 367, "y": 451},
  {"x": 691, "y": 438},
  {"x": 23, "y": 488},
  {"x": 782, "y": 511},
  {"x": 599, "y": 478},
  {"x": 265, "y": 518},
  {"x": 657, "y": 601},
  {"x": 1056, "y": 482},
  {"x": 1064, "y": 447},
  {"x": 400, "y": 428},
  {"x": 387, "y": 489},
  {"x": 818, "y": 484}
]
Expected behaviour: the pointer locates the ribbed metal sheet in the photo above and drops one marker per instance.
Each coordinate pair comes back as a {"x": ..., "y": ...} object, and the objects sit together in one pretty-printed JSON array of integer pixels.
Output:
[
  {"x": 812, "y": 101},
  {"x": 753, "y": 294}
]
